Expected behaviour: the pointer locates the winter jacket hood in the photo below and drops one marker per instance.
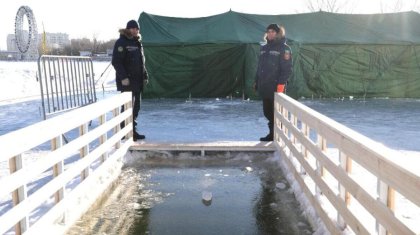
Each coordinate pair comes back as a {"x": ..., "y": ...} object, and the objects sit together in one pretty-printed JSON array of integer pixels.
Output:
[{"x": 126, "y": 33}]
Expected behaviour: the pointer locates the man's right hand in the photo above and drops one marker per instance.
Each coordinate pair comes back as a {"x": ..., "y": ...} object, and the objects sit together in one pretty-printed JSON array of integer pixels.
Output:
[{"x": 125, "y": 82}]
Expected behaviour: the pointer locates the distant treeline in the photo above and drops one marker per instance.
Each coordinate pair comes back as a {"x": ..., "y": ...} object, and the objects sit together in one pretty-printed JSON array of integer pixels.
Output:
[{"x": 84, "y": 44}]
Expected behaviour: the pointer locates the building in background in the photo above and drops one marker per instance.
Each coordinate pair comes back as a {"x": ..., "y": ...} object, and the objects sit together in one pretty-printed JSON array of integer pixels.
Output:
[
  {"x": 9, "y": 55},
  {"x": 13, "y": 52},
  {"x": 11, "y": 43},
  {"x": 55, "y": 41},
  {"x": 85, "y": 53},
  {"x": 109, "y": 52}
]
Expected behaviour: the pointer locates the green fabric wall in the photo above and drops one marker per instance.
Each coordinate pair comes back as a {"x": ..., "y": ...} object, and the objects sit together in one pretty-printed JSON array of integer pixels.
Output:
[
  {"x": 220, "y": 70},
  {"x": 334, "y": 55},
  {"x": 356, "y": 70},
  {"x": 207, "y": 70}
]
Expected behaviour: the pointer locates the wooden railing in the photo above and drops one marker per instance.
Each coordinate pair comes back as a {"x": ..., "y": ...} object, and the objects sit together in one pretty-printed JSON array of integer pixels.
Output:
[
  {"x": 319, "y": 152},
  {"x": 93, "y": 157}
]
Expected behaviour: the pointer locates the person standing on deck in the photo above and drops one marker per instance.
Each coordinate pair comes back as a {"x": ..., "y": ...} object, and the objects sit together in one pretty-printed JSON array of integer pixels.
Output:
[
  {"x": 129, "y": 64},
  {"x": 274, "y": 69}
]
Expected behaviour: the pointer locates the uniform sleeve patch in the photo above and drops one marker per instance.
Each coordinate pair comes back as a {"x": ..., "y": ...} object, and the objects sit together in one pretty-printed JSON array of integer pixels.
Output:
[
  {"x": 287, "y": 55},
  {"x": 120, "y": 49}
]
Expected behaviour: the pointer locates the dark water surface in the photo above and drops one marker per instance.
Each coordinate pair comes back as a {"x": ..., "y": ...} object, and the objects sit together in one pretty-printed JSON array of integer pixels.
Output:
[{"x": 252, "y": 197}]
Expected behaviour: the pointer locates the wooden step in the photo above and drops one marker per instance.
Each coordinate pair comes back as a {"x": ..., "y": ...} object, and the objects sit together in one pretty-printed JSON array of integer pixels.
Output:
[{"x": 238, "y": 146}]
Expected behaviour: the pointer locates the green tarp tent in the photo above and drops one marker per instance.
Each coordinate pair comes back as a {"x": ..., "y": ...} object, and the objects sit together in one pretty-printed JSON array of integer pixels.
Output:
[{"x": 334, "y": 55}]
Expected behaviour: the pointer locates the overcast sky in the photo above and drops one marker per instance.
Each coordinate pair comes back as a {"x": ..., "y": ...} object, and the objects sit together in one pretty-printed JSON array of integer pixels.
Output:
[{"x": 86, "y": 18}]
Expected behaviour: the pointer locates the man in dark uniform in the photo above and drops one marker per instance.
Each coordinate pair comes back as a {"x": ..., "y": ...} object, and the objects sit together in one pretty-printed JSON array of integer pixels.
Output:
[
  {"x": 274, "y": 69},
  {"x": 129, "y": 63}
]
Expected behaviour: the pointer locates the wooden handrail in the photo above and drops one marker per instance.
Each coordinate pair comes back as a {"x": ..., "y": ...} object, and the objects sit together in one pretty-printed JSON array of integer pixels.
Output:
[
  {"x": 14, "y": 142},
  {"x": 18, "y": 142},
  {"x": 294, "y": 142}
]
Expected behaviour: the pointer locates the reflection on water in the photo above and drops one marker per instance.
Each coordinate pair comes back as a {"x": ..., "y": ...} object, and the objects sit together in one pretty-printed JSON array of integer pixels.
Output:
[
  {"x": 212, "y": 120},
  {"x": 248, "y": 197},
  {"x": 225, "y": 119},
  {"x": 393, "y": 122}
]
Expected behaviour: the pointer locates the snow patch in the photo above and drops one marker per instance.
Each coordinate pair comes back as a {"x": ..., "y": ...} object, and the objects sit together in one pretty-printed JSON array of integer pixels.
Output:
[{"x": 19, "y": 80}]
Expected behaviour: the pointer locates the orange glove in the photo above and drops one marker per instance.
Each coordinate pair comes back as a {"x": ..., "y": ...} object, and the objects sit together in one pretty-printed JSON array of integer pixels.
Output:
[{"x": 280, "y": 88}]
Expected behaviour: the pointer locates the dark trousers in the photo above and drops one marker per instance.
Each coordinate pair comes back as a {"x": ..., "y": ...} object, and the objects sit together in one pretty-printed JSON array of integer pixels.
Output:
[
  {"x": 136, "y": 108},
  {"x": 268, "y": 108}
]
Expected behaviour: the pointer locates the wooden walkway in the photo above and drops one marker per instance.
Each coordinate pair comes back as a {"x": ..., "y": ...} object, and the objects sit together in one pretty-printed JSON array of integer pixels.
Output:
[{"x": 225, "y": 146}]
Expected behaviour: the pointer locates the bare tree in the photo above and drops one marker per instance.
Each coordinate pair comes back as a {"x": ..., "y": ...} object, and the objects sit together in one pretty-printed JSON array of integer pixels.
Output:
[
  {"x": 397, "y": 6},
  {"x": 414, "y": 6},
  {"x": 382, "y": 7},
  {"x": 314, "y": 6},
  {"x": 95, "y": 43},
  {"x": 327, "y": 5},
  {"x": 387, "y": 8}
]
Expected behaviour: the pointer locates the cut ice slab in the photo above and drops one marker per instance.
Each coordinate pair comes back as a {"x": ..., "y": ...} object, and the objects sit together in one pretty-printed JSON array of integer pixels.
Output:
[
  {"x": 280, "y": 185},
  {"x": 207, "y": 196},
  {"x": 248, "y": 169}
]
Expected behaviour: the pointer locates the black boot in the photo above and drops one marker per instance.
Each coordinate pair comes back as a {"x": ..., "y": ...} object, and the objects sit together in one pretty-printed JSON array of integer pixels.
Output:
[
  {"x": 137, "y": 136},
  {"x": 269, "y": 137}
]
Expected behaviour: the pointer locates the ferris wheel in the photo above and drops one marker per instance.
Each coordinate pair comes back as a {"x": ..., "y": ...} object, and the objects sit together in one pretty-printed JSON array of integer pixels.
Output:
[{"x": 25, "y": 38}]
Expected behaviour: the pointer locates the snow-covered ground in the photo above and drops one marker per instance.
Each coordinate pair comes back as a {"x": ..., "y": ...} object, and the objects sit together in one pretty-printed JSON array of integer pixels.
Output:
[
  {"x": 18, "y": 80},
  {"x": 392, "y": 122}
]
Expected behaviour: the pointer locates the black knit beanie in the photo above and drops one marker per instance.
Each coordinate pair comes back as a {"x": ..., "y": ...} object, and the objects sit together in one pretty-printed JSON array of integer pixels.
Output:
[
  {"x": 274, "y": 27},
  {"x": 132, "y": 24}
]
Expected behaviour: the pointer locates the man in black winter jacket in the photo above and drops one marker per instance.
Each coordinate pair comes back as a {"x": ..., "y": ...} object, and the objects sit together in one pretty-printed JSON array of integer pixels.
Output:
[
  {"x": 274, "y": 69},
  {"x": 129, "y": 64}
]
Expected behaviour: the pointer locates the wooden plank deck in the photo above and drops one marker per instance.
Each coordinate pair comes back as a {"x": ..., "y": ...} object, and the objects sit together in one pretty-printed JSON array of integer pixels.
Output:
[{"x": 238, "y": 146}]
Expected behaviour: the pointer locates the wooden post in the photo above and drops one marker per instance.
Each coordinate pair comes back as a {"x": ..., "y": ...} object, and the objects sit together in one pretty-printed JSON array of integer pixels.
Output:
[
  {"x": 83, "y": 129},
  {"x": 322, "y": 145},
  {"x": 20, "y": 194},
  {"x": 293, "y": 120},
  {"x": 126, "y": 121},
  {"x": 386, "y": 195},
  {"x": 58, "y": 168},
  {"x": 286, "y": 116},
  {"x": 117, "y": 128},
  {"x": 131, "y": 118},
  {"x": 390, "y": 202},
  {"x": 275, "y": 134},
  {"x": 280, "y": 125},
  {"x": 276, "y": 121},
  {"x": 346, "y": 164},
  {"x": 284, "y": 113},
  {"x": 104, "y": 137},
  {"x": 305, "y": 131}
]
